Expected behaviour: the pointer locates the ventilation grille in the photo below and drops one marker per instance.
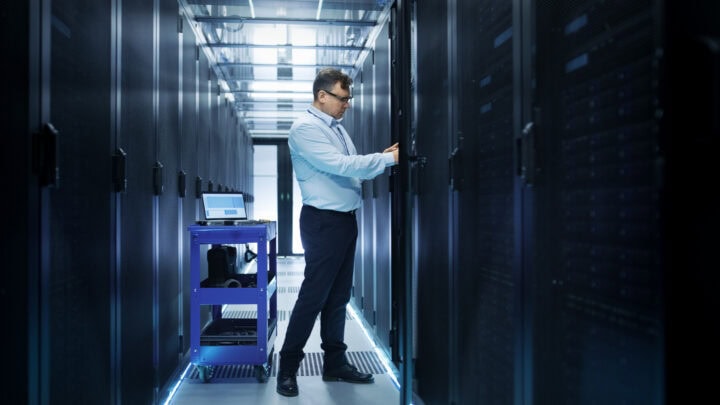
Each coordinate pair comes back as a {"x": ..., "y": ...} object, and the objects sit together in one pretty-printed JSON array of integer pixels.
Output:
[
  {"x": 312, "y": 364},
  {"x": 252, "y": 314}
]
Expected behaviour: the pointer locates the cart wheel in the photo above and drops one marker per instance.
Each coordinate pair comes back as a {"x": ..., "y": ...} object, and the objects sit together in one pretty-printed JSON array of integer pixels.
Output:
[
  {"x": 203, "y": 373},
  {"x": 262, "y": 373}
]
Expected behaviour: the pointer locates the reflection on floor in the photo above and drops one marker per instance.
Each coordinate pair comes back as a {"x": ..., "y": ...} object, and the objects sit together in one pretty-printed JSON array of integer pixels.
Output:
[{"x": 237, "y": 384}]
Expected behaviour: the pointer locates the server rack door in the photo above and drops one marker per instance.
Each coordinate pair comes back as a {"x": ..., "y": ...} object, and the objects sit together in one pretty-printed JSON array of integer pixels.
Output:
[
  {"x": 403, "y": 190},
  {"x": 204, "y": 121},
  {"x": 382, "y": 134},
  {"x": 214, "y": 147},
  {"x": 24, "y": 109},
  {"x": 232, "y": 152},
  {"x": 138, "y": 139},
  {"x": 230, "y": 155},
  {"x": 78, "y": 208},
  {"x": 360, "y": 115},
  {"x": 485, "y": 283},
  {"x": 368, "y": 210},
  {"x": 598, "y": 267},
  {"x": 220, "y": 137},
  {"x": 187, "y": 168},
  {"x": 432, "y": 140},
  {"x": 365, "y": 224},
  {"x": 169, "y": 139}
]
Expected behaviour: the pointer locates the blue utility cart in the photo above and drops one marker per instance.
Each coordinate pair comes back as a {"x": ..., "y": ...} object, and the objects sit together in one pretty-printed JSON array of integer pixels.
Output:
[{"x": 226, "y": 341}]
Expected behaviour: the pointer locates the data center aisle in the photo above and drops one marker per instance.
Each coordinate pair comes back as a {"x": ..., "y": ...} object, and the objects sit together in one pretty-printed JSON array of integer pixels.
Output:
[{"x": 237, "y": 384}]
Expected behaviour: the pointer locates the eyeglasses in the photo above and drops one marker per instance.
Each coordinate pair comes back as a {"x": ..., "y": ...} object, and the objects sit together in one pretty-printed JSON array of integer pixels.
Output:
[{"x": 342, "y": 99}]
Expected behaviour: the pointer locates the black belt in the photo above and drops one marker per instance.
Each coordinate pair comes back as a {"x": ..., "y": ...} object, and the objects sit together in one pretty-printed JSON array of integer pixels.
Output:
[{"x": 352, "y": 212}]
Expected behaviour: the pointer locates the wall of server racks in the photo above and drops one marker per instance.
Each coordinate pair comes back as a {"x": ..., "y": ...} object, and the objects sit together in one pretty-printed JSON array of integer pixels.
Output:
[{"x": 564, "y": 162}]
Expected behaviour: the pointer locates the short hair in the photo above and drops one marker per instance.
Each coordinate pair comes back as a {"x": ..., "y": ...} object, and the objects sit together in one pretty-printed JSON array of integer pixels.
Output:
[{"x": 326, "y": 79}]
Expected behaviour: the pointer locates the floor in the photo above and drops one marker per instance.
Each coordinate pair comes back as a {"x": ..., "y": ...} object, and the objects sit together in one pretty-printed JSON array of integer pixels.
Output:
[{"x": 237, "y": 384}]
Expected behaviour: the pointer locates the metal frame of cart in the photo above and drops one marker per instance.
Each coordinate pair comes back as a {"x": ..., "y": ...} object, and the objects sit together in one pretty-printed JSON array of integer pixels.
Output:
[{"x": 208, "y": 351}]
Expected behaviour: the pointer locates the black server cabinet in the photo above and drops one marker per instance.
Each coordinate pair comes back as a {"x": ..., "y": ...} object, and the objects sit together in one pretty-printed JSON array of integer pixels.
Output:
[
  {"x": 597, "y": 267},
  {"x": 76, "y": 223},
  {"x": 361, "y": 119},
  {"x": 382, "y": 139},
  {"x": 213, "y": 164},
  {"x": 138, "y": 138},
  {"x": 204, "y": 123},
  {"x": 432, "y": 351},
  {"x": 214, "y": 147},
  {"x": 368, "y": 142},
  {"x": 485, "y": 282},
  {"x": 351, "y": 123},
  {"x": 225, "y": 143},
  {"x": 23, "y": 113},
  {"x": 188, "y": 163},
  {"x": 402, "y": 198},
  {"x": 167, "y": 280}
]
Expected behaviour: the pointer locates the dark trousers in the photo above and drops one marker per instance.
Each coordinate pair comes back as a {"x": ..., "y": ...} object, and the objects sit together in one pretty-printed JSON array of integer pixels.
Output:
[{"x": 329, "y": 239}]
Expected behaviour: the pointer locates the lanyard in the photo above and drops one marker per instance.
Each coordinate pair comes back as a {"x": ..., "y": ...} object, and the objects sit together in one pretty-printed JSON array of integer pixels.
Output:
[{"x": 335, "y": 130}]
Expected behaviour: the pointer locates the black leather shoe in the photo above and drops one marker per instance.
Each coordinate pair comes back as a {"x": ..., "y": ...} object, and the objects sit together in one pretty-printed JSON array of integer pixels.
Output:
[
  {"x": 348, "y": 373},
  {"x": 287, "y": 385}
]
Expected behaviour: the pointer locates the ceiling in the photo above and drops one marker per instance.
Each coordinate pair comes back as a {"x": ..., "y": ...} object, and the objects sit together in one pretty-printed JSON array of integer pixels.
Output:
[{"x": 266, "y": 52}]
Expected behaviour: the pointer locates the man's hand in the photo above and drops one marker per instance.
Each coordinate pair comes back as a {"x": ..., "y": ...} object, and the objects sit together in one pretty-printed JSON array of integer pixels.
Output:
[{"x": 395, "y": 149}]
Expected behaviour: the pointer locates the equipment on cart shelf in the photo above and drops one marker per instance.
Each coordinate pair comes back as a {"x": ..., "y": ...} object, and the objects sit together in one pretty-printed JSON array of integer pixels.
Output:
[{"x": 222, "y": 268}]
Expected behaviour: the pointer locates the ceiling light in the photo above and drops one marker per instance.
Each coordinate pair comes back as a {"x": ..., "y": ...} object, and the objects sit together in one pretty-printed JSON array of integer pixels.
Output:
[{"x": 320, "y": 4}]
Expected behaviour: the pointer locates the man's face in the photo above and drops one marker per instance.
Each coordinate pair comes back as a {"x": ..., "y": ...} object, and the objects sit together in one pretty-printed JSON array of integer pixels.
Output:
[{"x": 335, "y": 101}]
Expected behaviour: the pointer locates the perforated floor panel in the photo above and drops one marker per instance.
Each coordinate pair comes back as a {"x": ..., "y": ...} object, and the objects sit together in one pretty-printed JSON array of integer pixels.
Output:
[{"x": 366, "y": 362}]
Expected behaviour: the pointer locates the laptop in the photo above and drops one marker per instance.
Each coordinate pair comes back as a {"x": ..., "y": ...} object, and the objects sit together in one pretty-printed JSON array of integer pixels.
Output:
[{"x": 224, "y": 208}]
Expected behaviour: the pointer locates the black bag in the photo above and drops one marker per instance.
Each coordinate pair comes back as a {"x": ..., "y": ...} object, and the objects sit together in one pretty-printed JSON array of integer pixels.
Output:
[{"x": 222, "y": 263}]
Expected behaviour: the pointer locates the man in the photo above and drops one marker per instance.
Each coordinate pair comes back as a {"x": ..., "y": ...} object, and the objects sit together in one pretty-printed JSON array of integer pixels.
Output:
[{"x": 329, "y": 172}]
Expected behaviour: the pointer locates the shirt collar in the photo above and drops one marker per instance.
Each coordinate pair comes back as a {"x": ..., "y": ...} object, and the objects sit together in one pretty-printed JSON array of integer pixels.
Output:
[{"x": 328, "y": 119}]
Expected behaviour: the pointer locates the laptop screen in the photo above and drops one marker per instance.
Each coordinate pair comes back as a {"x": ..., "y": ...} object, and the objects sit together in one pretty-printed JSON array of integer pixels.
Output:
[{"x": 224, "y": 206}]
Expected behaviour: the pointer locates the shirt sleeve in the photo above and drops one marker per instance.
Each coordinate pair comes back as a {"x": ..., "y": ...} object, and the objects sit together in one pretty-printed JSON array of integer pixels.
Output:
[{"x": 311, "y": 144}]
